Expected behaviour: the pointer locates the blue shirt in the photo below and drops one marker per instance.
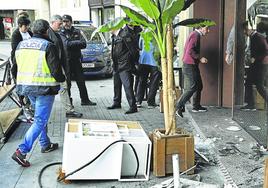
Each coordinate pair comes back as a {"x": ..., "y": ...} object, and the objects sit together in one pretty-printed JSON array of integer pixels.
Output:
[{"x": 147, "y": 58}]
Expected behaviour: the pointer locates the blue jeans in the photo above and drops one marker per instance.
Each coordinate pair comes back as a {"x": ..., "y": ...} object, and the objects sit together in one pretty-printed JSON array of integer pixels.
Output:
[{"x": 43, "y": 106}]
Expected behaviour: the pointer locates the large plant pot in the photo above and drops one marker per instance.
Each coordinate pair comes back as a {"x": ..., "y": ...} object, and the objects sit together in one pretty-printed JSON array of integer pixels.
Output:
[{"x": 164, "y": 146}]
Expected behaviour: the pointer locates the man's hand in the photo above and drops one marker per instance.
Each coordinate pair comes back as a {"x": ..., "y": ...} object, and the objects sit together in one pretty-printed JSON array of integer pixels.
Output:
[{"x": 203, "y": 60}]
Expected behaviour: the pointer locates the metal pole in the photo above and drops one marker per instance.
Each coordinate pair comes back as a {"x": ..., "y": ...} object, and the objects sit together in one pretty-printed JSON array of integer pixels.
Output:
[{"x": 176, "y": 170}]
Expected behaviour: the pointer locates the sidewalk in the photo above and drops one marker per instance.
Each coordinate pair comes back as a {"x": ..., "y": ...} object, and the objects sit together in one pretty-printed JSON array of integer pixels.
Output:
[{"x": 234, "y": 168}]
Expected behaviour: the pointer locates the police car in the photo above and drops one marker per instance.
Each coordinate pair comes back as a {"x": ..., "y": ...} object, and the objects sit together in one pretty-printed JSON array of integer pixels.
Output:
[{"x": 96, "y": 57}]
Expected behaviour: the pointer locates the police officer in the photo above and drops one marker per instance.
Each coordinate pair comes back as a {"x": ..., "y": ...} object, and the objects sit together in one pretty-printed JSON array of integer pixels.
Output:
[
  {"x": 122, "y": 55},
  {"x": 38, "y": 77},
  {"x": 73, "y": 42}
]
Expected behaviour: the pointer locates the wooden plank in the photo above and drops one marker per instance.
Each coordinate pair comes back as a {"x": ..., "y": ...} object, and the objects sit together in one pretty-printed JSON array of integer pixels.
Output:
[
  {"x": 265, "y": 185},
  {"x": 7, "y": 118},
  {"x": 5, "y": 90},
  {"x": 159, "y": 154}
]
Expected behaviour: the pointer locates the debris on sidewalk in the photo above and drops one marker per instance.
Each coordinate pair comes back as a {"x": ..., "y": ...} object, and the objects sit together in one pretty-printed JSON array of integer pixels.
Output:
[
  {"x": 254, "y": 128},
  {"x": 185, "y": 183},
  {"x": 230, "y": 149},
  {"x": 233, "y": 128},
  {"x": 257, "y": 152}
]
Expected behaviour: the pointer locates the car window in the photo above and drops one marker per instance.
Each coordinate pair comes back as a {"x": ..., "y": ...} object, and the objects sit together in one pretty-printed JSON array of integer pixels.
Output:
[{"x": 87, "y": 31}]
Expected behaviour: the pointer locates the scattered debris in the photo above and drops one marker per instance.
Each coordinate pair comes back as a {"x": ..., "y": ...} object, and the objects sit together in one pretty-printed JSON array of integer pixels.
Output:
[
  {"x": 185, "y": 183},
  {"x": 233, "y": 128},
  {"x": 254, "y": 128},
  {"x": 254, "y": 169}
]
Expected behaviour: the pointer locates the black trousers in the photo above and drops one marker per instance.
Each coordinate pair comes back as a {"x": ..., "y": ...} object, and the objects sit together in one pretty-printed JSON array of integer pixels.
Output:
[
  {"x": 255, "y": 75},
  {"x": 145, "y": 72},
  {"x": 126, "y": 79},
  {"x": 192, "y": 86},
  {"x": 77, "y": 74}
]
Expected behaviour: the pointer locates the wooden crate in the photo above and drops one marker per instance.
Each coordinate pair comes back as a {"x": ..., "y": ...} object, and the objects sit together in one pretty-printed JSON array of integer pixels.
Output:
[{"x": 163, "y": 148}]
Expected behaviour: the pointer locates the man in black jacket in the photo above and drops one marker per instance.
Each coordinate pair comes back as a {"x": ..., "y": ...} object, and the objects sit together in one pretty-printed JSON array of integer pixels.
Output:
[
  {"x": 123, "y": 52},
  {"x": 55, "y": 24},
  {"x": 73, "y": 42}
]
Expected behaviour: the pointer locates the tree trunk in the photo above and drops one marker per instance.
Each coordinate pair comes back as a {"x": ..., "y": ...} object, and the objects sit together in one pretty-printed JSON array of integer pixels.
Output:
[
  {"x": 165, "y": 93},
  {"x": 170, "y": 85}
]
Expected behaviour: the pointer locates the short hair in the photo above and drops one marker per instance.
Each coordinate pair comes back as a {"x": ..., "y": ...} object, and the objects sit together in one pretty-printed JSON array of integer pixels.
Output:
[
  {"x": 55, "y": 17},
  {"x": 40, "y": 26},
  {"x": 261, "y": 27},
  {"x": 23, "y": 21}
]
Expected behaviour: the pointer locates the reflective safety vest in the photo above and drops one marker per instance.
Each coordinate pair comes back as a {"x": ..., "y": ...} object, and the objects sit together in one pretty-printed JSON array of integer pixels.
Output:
[{"x": 32, "y": 64}]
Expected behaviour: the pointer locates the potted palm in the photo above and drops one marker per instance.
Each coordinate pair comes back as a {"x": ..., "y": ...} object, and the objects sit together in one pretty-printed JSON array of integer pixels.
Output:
[{"x": 156, "y": 17}]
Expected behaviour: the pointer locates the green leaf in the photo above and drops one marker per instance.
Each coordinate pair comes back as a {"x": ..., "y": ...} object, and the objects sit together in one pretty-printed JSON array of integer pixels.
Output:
[
  {"x": 172, "y": 8},
  {"x": 195, "y": 22},
  {"x": 147, "y": 38},
  {"x": 111, "y": 25},
  {"x": 148, "y": 6},
  {"x": 138, "y": 18}
]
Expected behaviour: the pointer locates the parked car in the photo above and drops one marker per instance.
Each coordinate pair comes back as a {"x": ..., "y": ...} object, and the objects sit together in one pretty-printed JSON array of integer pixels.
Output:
[{"x": 96, "y": 57}]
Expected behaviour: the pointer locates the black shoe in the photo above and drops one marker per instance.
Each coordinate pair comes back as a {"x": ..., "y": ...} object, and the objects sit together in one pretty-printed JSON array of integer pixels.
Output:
[
  {"x": 114, "y": 106},
  {"x": 131, "y": 111},
  {"x": 88, "y": 103},
  {"x": 73, "y": 114},
  {"x": 150, "y": 106},
  {"x": 199, "y": 109},
  {"x": 248, "y": 108},
  {"x": 50, "y": 147},
  {"x": 20, "y": 159},
  {"x": 179, "y": 112}
]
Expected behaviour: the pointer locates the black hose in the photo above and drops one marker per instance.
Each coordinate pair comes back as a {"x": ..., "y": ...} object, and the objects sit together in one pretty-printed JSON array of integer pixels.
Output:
[
  {"x": 85, "y": 165},
  {"x": 64, "y": 177},
  {"x": 43, "y": 169}
]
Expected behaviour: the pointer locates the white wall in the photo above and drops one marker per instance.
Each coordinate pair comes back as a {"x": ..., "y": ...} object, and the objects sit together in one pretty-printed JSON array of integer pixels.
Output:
[{"x": 81, "y": 13}]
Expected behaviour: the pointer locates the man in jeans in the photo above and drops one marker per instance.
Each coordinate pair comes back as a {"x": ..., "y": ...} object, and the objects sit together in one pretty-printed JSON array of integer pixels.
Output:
[
  {"x": 38, "y": 77},
  {"x": 192, "y": 79}
]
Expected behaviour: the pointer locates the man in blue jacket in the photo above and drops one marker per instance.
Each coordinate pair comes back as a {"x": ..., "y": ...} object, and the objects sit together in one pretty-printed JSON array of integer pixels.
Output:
[{"x": 38, "y": 77}]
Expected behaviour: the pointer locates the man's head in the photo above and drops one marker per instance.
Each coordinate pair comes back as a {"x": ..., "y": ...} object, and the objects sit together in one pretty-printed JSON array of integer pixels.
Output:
[
  {"x": 67, "y": 21},
  {"x": 203, "y": 29},
  {"x": 56, "y": 22},
  {"x": 24, "y": 24},
  {"x": 40, "y": 26}
]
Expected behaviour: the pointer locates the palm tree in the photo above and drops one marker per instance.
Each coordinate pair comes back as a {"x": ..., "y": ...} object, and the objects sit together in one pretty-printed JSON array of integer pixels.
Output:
[{"x": 156, "y": 18}]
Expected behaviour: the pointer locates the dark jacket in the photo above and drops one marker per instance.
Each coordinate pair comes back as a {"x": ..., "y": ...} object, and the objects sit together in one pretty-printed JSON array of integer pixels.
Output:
[
  {"x": 56, "y": 39},
  {"x": 73, "y": 42},
  {"x": 123, "y": 51},
  {"x": 258, "y": 47},
  {"x": 16, "y": 38},
  {"x": 54, "y": 66}
]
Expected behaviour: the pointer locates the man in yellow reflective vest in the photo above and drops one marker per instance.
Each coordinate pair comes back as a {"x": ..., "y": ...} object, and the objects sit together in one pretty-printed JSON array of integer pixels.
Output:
[{"x": 38, "y": 77}]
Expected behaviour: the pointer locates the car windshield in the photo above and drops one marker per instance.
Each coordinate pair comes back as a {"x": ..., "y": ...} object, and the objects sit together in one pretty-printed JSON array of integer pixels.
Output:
[{"x": 87, "y": 31}]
